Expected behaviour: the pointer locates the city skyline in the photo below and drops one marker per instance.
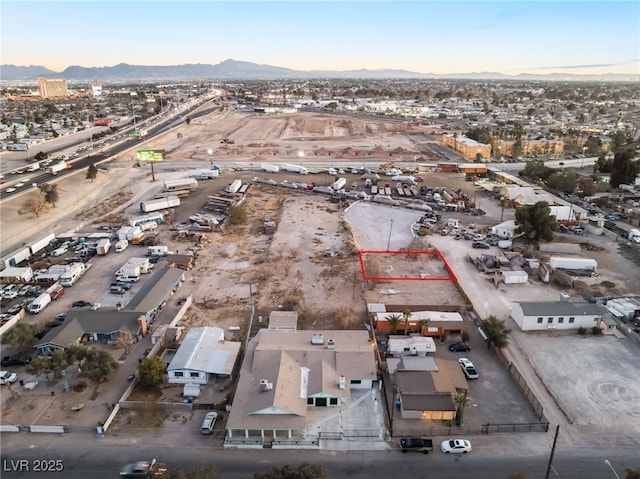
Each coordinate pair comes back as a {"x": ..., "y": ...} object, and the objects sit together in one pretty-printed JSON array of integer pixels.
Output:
[{"x": 579, "y": 37}]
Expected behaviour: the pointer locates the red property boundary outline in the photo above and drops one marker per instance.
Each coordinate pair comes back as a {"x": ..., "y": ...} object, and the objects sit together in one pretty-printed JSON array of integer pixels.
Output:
[{"x": 362, "y": 253}]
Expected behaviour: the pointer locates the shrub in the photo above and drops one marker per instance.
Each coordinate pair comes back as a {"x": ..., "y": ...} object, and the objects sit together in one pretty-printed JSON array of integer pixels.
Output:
[
  {"x": 596, "y": 331},
  {"x": 582, "y": 331}
]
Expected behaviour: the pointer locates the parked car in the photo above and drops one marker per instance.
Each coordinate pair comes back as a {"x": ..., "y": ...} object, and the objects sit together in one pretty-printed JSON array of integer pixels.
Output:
[
  {"x": 16, "y": 360},
  {"x": 416, "y": 444},
  {"x": 455, "y": 446},
  {"x": 57, "y": 293},
  {"x": 208, "y": 423},
  {"x": 7, "y": 377},
  {"x": 480, "y": 245},
  {"x": 143, "y": 469},
  {"x": 117, "y": 289},
  {"x": 468, "y": 368},
  {"x": 459, "y": 346},
  {"x": 81, "y": 303}
]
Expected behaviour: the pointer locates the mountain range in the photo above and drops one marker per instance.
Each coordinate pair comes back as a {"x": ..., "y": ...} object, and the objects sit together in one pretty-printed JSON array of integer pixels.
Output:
[{"x": 239, "y": 70}]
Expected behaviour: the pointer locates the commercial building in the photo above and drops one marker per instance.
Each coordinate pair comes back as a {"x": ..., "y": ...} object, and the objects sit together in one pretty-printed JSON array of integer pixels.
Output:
[
  {"x": 545, "y": 315},
  {"x": 53, "y": 88}
]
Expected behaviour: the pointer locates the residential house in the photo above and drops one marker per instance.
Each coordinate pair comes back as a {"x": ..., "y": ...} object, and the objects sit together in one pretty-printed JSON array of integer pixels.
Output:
[
  {"x": 284, "y": 373},
  {"x": 203, "y": 355}
]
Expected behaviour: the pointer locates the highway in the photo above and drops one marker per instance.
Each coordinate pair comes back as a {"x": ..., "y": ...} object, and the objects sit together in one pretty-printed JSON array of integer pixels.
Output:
[{"x": 105, "y": 154}]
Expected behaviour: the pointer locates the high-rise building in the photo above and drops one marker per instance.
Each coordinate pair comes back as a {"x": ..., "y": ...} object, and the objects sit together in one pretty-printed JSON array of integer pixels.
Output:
[{"x": 53, "y": 88}]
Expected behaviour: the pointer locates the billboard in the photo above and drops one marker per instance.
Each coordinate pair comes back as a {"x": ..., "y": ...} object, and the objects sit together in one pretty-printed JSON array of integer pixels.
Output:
[{"x": 150, "y": 155}]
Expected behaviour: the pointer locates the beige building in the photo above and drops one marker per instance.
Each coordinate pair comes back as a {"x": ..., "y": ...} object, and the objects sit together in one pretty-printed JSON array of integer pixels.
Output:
[
  {"x": 53, "y": 88},
  {"x": 467, "y": 147},
  {"x": 530, "y": 147}
]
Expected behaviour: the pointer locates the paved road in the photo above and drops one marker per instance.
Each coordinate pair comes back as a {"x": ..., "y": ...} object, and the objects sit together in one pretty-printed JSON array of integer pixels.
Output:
[{"x": 93, "y": 459}]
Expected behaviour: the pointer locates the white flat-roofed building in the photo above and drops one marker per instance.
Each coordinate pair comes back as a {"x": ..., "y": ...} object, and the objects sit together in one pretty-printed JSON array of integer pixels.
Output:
[{"x": 203, "y": 355}]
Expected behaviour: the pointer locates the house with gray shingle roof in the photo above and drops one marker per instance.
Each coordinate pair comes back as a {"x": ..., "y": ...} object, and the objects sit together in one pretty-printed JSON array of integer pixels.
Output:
[{"x": 285, "y": 373}]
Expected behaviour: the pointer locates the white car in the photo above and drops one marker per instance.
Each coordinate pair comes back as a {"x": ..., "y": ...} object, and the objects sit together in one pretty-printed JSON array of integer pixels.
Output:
[
  {"x": 7, "y": 377},
  {"x": 468, "y": 368},
  {"x": 10, "y": 190},
  {"x": 455, "y": 446}
]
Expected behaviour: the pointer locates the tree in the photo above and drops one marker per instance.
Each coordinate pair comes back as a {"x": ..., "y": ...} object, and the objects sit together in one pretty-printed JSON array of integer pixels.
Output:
[
  {"x": 77, "y": 354},
  {"x": 50, "y": 367},
  {"x": 460, "y": 401},
  {"x": 632, "y": 473},
  {"x": 150, "y": 371},
  {"x": 92, "y": 173},
  {"x": 237, "y": 215},
  {"x": 536, "y": 222},
  {"x": 35, "y": 205},
  {"x": 98, "y": 364},
  {"x": 536, "y": 169},
  {"x": 197, "y": 472},
  {"x": 304, "y": 471},
  {"x": 423, "y": 323},
  {"x": 497, "y": 332},
  {"x": 394, "y": 322},
  {"x": 21, "y": 337},
  {"x": 564, "y": 182},
  {"x": 51, "y": 193},
  {"x": 188, "y": 120},
  {"x": 480, "y": 134},
  {"x": 406, "y": 316},
  {"x": 624, "y": 170},
  {"x": 41, "y": 156}
]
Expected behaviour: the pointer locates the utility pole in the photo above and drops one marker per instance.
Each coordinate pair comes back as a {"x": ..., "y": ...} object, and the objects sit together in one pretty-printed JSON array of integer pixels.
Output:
[{"x": 553, "y": 450}]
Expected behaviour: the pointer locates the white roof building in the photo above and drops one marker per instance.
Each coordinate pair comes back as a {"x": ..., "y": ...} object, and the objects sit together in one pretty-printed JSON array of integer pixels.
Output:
[{"x": 203, "y": 353}]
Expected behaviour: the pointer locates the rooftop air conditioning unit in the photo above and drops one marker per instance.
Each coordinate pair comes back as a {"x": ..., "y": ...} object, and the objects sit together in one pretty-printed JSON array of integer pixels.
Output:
[
  {"x": 331, "y": 344},
  {"x": 265, "y": 385}
]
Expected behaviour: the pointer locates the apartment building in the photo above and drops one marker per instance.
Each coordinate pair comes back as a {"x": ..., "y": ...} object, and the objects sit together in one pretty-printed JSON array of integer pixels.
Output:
[{"x": 467, "y": 147}]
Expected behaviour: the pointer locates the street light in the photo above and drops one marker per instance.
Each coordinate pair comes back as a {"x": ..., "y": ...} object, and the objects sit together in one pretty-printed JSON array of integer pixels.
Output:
[
  {"x": 606, "y": 461},
  {"x": 210, "y": 153},
  {"x": 389, "y": 240}
]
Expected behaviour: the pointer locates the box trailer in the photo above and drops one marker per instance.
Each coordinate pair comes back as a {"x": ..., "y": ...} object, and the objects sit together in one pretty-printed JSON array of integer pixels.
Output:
[
  {"x": 17, "y": 257},
  {"x": 159, "y": 204},
  {"x": 41, "y": 243},
  {"x": 233, "y": 187},
  {"x": 339, "y": 184},
  {"x": 269, "y": 167},
  {"x": 182, "y": 184},
  {"x": 559, "y": 262},
  {"x": 121, "y": 245},
  {"x": 294, "y": 168},
  {"x": 104, "y": 245},
  {"x": 203, "y": 174},
  {"x": 514, "y": 277},
  {"x": 54, "y": 169}
]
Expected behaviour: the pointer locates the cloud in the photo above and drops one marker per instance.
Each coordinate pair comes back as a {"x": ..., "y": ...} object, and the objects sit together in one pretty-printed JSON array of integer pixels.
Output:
[{"x": 592, "y": 65}]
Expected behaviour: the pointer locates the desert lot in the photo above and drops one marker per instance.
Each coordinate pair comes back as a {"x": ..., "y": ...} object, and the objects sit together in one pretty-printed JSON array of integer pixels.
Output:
[{"x": 310, "y": 261}]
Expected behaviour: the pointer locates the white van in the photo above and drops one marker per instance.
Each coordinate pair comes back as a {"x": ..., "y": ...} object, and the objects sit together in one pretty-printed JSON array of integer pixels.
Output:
[{"x": 39, "y": 303}]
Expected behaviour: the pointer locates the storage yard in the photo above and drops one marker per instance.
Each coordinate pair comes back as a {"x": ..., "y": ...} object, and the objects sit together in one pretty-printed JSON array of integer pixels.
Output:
[{"x": 298, "y": 249}]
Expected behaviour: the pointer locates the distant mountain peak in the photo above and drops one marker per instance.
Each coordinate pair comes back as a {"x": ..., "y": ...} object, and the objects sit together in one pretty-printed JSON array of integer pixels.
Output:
[{"x": 231, "y": 69}]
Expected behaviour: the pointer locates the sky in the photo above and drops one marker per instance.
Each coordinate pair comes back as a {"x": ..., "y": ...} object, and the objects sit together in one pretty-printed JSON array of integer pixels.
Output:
[{"x": 510, "y": 37}]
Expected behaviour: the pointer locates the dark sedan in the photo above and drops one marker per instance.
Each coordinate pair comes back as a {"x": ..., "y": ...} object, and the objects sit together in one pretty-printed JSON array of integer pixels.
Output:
[
  {"x": 461, "y": 346},
  {"x": 16, "y": 360}
]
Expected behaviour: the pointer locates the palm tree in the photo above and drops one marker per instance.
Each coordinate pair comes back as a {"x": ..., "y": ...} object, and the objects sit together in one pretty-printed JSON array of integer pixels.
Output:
[
  {"x": 394, "y": 322},
  {"x": 460, "y": 401},
  {"x": 406, "y": 315},
  {"x": 423, "y": 323},
  {"x": 497, "y": 332}
]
